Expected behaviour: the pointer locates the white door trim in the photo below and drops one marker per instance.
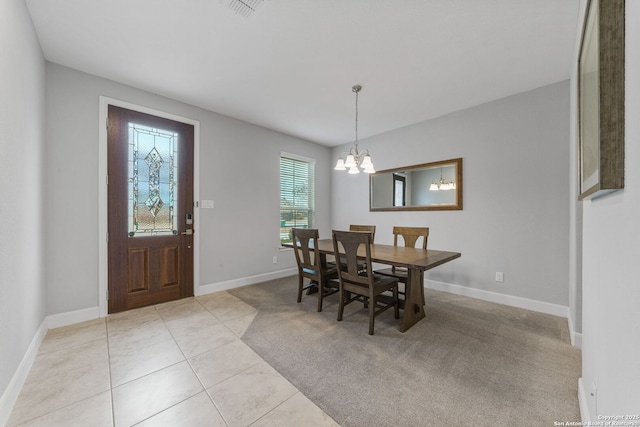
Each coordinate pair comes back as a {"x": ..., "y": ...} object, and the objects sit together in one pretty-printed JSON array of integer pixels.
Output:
[{"x": 103, "y": 253}]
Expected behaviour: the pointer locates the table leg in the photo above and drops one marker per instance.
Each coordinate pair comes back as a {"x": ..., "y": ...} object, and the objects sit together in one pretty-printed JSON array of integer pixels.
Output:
[{"x": 413, "y": 305}]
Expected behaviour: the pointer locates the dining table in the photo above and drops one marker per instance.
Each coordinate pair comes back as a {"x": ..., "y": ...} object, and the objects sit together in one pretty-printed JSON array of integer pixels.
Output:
[{"x": 415, "y": 260}]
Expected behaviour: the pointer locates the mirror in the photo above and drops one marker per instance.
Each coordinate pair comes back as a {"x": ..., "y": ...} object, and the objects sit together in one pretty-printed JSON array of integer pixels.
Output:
[{"x": 425, "y": 187}]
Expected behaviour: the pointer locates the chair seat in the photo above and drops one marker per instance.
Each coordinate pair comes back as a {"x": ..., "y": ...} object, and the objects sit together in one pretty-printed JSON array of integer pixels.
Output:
[
  {"x": 380, "y": 281},
  {"x": 380, "y": 284},
  {"x": 402, "y": 275},
  {"x": 331, "y": 271},
  {"x": 399, "y": 272}
]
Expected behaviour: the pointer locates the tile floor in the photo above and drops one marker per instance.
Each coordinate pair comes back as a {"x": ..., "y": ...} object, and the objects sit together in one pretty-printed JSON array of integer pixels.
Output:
[{"x": 176, "y": 364}]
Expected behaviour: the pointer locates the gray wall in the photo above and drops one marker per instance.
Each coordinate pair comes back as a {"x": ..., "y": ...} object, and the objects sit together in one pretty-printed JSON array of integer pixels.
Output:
[
  {"x": 611, "y": 267},
  {"x": 239, "y": 170},
  {"x": 516, "y": 187},
  {"x": 22, "y": 291}
]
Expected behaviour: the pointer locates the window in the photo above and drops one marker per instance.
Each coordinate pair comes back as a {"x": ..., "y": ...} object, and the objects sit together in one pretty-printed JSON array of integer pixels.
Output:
[{"x": 297, "y": 190}]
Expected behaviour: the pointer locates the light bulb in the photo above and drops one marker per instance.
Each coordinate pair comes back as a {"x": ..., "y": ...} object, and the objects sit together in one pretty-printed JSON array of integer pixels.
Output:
[{"x": 350, "y": 162}]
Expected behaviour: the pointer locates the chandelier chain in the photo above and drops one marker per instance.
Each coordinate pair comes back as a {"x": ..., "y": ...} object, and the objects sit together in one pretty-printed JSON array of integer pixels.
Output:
[
  {"x": 353, "y": 158},
  {"x": 356, "y": 91}
]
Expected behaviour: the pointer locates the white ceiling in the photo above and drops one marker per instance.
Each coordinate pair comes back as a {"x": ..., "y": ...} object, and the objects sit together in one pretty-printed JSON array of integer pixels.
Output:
[{"x": 291, "y": 64}]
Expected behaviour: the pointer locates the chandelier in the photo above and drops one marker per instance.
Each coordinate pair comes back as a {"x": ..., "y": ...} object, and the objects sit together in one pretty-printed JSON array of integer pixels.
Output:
[
  {"x": 442, "y": 185},
  {"x": 355, "y": 158}
]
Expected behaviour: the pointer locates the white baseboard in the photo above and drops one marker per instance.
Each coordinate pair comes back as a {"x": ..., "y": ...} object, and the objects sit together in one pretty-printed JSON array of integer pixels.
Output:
[
  {"x": 519, "y": 302},
  {"x": 72, "y": 317},
  {"x": 583, "y": 402},
  {"x": 576, "y": 337},
  {"x": 10, "y": 395},
  {"x": 243, "y": 281}
]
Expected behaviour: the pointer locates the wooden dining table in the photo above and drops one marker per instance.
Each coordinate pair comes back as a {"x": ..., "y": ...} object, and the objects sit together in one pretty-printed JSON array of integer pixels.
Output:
[{"x": 415, "y": 260}]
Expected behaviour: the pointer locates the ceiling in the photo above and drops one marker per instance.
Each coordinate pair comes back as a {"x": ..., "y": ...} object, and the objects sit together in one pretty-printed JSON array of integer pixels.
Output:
[{"x": 290, "y": 65}]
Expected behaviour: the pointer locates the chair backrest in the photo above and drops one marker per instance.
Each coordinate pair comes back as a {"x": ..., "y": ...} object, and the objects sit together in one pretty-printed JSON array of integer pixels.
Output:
[
  {"x": 370, "y": 228},
  {"x": 306, "y": 258},
  {"x": 350, "y": 241},
  {"x": 411, "y": 236}
]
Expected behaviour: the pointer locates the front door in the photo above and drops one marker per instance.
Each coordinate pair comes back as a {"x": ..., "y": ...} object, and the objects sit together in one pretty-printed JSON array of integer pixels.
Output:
[{"x": 150, "y": 202}]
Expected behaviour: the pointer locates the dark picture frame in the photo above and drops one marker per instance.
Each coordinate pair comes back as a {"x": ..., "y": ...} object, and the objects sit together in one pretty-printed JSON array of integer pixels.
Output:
[{"x": 601, "y": 99}]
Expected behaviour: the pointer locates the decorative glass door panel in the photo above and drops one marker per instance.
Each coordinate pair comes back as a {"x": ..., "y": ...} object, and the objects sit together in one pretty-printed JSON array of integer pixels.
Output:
[
  {"x": 150, "y": 209},
  {"x": 152, "y": 187}
]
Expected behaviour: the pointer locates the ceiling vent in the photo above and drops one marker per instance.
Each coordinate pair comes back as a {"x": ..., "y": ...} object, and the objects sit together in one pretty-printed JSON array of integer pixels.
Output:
[{"x": 244, "y": 8}]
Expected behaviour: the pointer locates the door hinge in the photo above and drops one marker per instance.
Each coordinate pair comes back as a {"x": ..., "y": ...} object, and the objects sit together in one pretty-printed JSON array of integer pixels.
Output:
[
  {"x": 106, "y": 122},
  {"x": 195, "y": 204},
  {"x": 107, "y": 292},
  {"x": 106, "y": 179},
  {"x": 107, "y": 236}
]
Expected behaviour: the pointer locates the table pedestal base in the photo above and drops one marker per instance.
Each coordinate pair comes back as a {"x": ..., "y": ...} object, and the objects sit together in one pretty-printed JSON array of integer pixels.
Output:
[{"x": 414, "y": 303}]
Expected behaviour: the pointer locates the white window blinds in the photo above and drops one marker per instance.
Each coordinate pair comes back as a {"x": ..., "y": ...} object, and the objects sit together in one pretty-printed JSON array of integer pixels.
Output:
[{"x": 297, "y": 198}]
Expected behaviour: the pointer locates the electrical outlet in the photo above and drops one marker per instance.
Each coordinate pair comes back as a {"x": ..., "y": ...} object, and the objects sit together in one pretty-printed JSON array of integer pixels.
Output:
[
  {"x": 275, "y": 259},
  {"x": 499, "y": 276}
]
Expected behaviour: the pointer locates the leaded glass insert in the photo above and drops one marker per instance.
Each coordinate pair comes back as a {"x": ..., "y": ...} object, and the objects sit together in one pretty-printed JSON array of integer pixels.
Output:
[{"x": 152, "y": 187}]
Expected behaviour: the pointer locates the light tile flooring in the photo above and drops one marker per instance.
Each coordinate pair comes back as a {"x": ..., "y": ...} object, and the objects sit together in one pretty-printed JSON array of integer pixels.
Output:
[{"x": 176, "y": 364}]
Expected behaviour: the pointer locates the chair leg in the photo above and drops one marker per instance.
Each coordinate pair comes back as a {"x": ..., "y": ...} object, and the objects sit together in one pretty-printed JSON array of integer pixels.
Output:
[
  {"x": 397, "y": 307},
  {"x": 372, "y": 313},
  {"x": 320, "y": 294},
  {"x": 300, "y": 283},
  {"x": 341, "y": 305}
]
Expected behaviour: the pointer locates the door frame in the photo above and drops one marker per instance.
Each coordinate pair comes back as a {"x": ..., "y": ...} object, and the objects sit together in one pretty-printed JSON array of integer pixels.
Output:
[{"x": 103, "y": 253}]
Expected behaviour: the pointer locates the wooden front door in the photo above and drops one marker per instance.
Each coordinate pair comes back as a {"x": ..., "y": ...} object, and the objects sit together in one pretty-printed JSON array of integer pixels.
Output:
[{"x": 150, "y": 202}]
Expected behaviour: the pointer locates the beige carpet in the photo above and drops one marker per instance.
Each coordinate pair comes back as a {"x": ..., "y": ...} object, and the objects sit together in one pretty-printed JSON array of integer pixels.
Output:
[{"x": 469, "y": 362}]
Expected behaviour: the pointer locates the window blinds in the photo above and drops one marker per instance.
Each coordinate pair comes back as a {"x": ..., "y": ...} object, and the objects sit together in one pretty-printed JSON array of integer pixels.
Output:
[{"x": 296, "y": 195}]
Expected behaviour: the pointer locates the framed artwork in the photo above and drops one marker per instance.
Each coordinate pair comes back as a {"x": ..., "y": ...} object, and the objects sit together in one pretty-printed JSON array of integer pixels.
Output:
[{"x": 601, "y": 99}]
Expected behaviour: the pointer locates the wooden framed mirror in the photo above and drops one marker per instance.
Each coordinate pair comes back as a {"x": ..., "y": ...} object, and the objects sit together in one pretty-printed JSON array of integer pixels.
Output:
[{"x": 425, "y": 187}]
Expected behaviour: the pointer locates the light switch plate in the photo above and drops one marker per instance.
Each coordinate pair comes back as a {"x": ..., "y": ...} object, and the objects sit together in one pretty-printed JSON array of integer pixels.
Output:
[{"x": 206, "y": 204}]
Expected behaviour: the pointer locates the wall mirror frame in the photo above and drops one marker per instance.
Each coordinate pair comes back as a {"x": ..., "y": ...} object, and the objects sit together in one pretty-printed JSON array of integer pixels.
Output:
[{"x": 435, "y": 186}]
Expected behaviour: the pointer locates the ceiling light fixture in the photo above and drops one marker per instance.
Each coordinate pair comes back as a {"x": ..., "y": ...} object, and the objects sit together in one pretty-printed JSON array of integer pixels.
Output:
[
  {"x": 441, "y": 184},
  {"x": 355, "y": 158}
]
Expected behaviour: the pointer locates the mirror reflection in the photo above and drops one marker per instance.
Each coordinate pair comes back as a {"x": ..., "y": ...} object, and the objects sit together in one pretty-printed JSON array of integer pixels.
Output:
[{"x": 428, "y": 186}]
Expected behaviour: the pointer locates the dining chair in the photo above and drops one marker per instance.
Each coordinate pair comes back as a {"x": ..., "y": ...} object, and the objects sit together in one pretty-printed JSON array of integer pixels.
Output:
[
  {"x": 370, "y": 228},
  {"x": 313, "y": 266},
  {"x": 363, "y": 228},
  {"x": 410, "y": 236},
  {"x": 360, "y": 228},
  {"x": 364, "y": 285}
]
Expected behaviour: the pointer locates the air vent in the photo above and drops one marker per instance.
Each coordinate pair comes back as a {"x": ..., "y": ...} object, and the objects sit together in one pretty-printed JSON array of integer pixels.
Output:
[{"x": 244, "y": 8}]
